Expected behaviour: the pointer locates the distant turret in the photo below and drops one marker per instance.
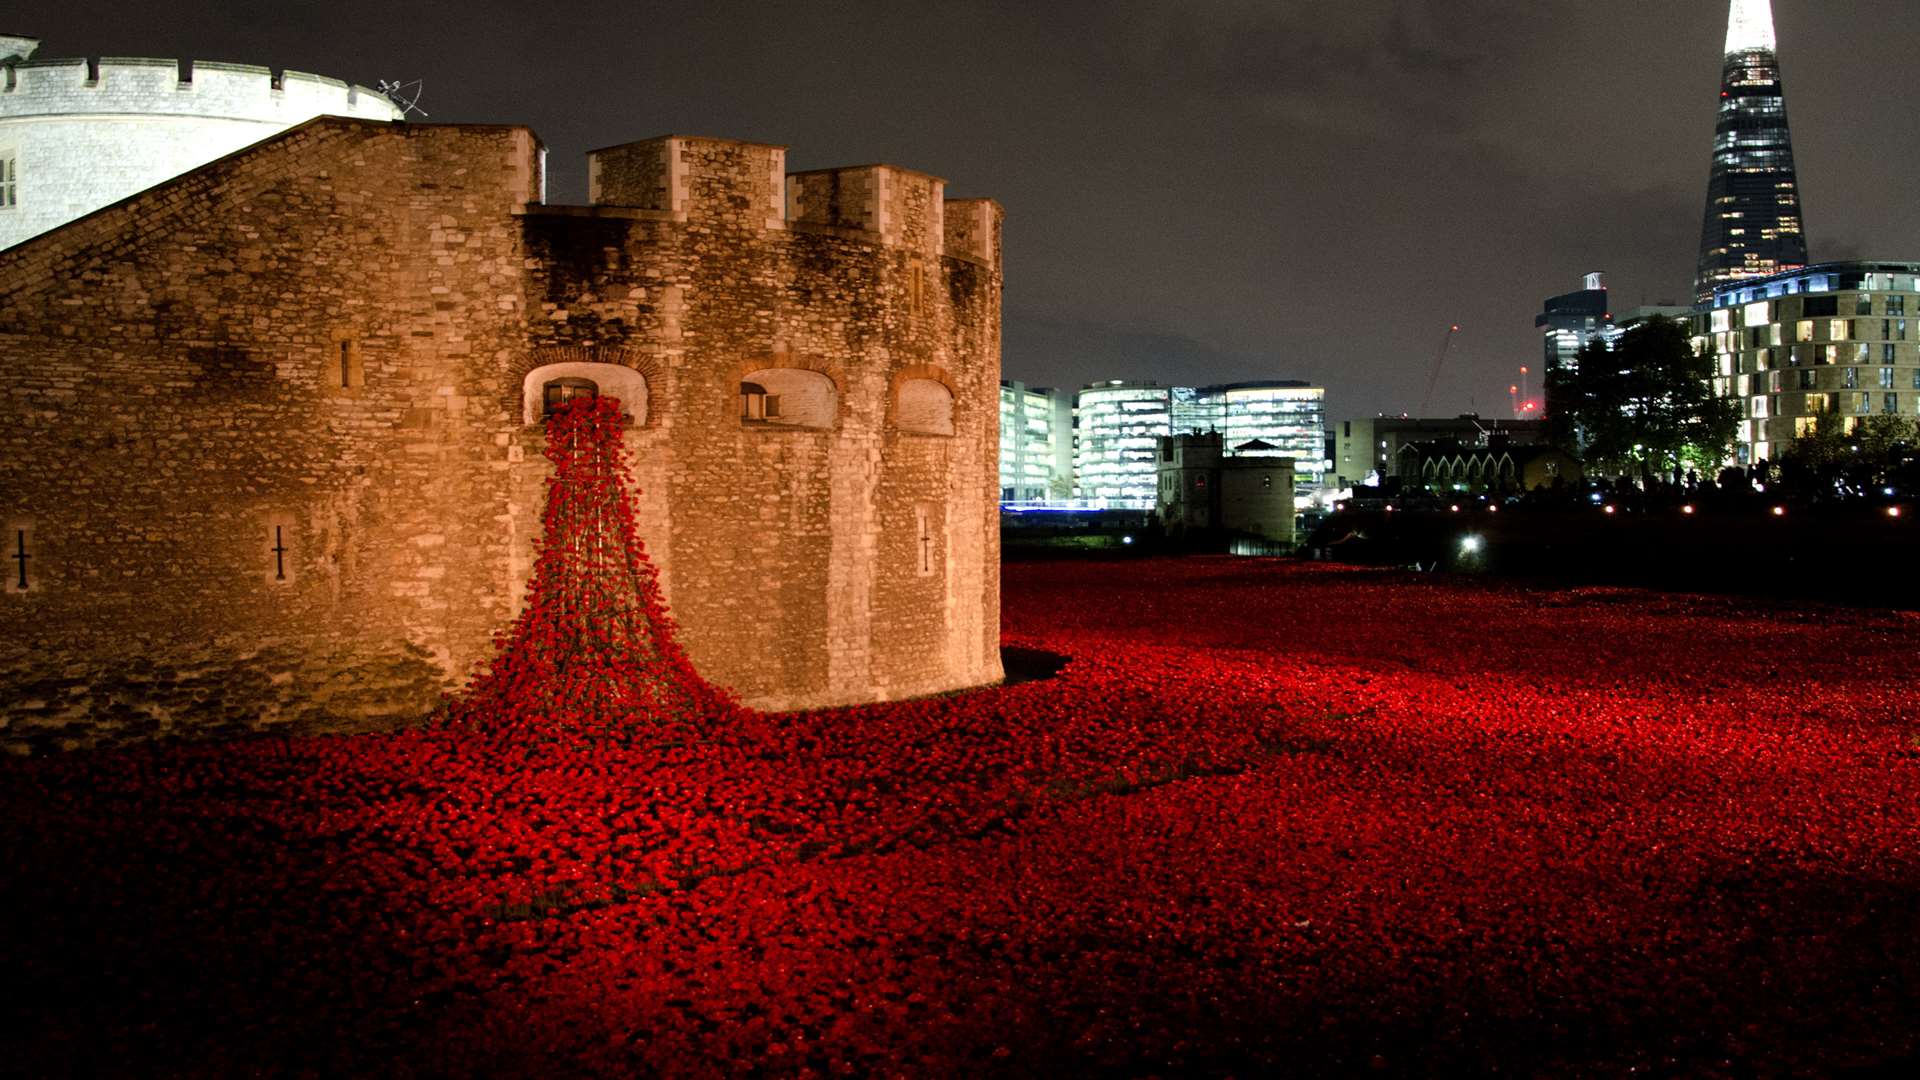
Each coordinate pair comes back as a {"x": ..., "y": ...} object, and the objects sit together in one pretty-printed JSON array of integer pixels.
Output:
[{"x": 80, "y": 134}]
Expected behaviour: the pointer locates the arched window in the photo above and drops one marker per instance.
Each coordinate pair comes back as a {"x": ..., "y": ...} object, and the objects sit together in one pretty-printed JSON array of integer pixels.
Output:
[
  {"x": 558, "y": 392},
  {"x": 926, "y": 407},
  {"x": 546, "y": 388},
  {"x": 788, "y": 398}
]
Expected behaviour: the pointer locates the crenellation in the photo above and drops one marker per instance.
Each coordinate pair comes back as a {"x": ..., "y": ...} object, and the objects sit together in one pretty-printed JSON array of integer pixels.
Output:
[
  {"x": 139, "y": 85},
  {"x": 972, "y": 230},
  {"x": 86, "y": 133},
  {"x": 783, "y": 547}
]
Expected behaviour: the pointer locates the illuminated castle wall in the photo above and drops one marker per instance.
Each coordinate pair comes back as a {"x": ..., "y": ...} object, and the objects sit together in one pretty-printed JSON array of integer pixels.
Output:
[
  {"x": 273, "y": 429},
  {"x": 76, "y": 135}
]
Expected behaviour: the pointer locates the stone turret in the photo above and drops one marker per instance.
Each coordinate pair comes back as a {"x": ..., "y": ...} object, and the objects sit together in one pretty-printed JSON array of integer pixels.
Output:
[{"x": 83, "y": 133}]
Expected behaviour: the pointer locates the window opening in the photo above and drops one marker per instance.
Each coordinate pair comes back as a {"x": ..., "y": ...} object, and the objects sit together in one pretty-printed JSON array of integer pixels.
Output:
[
  {"x": 757, "y": 404},
  {"x": 788, "y": 398},
  {"x": 343, "y": 372},
  {"x": 279, "y": 555},
  {"x": 560, "y": 391},
  {"x": 20, "y": 558},
  {"x": 9, "y": 180}
]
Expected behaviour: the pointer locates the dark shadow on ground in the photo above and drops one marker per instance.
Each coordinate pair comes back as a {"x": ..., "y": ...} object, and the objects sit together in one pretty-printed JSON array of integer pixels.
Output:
[{"x": 1030, "y": 665}]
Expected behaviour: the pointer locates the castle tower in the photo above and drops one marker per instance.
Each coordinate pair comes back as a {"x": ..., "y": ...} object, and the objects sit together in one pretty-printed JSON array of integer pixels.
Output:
[
  {"x": 79, "y": 134},
  {"x": 808, "y": 366},
  {"x": 1753, "y": 225}
]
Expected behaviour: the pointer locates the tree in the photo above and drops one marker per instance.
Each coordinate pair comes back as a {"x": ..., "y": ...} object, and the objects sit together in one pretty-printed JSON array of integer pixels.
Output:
[
  {"x": 1851, "y": 456},
  {"x": 1642, "y": 403}
]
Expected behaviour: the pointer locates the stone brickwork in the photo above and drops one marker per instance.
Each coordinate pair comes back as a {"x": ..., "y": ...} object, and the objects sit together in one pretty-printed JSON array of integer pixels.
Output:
[
  {"x": 270, "y": 451},
  {"x": 86, "y": 133}
]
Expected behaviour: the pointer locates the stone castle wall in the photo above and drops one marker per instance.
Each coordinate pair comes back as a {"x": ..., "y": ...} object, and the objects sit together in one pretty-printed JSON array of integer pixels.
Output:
[
  {"x": 87, "y": 133},
  {"x": 270, "y": 450}
]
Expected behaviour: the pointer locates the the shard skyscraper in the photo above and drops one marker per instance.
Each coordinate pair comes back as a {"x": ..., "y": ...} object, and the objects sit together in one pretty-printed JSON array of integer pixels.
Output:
[{"x": 1753, "y": 225}]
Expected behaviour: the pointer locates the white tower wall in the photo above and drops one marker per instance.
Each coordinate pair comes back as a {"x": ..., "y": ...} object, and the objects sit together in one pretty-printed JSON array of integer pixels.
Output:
[{"x": 82, "y": 136}]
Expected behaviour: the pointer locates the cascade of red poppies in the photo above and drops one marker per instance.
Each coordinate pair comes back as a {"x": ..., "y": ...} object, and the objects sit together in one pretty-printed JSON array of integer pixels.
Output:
[{"x": 593, "y": 651}]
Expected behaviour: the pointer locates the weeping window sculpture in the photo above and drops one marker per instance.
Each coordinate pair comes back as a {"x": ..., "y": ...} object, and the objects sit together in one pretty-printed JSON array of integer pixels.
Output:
[{"x": 593, "y": 652}]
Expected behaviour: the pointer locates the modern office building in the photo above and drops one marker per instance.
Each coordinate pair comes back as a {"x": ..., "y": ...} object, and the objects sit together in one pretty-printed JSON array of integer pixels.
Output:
[
  {"x": 1569, "y": 321},
  {"x": 1664, "y": 310},
  {"x": 1753, "y": 225},
  {"x": 1118, "y": 426},
  {"x": 1277, "y": 419},
  {"x": 1036, "y": 443},
  {"x": 1832, "y": 342}
]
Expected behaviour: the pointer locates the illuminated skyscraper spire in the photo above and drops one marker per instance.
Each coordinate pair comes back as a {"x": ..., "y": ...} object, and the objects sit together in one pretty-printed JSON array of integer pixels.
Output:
[
  {"x": 1753, "y": 224},
  {"x": 1750, "y": 26}
]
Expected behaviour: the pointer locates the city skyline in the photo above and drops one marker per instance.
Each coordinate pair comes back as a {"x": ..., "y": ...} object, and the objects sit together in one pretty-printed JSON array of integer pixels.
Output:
[{"x": 1182, "y": 206}]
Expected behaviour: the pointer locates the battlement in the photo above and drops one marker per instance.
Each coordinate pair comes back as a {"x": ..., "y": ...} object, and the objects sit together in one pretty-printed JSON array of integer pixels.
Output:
[
  {"x": 903, "y": 207},
  {"x": 160, "y": 87},
  {"x": 973, "y": 230},
  {"x": 701, "y": 178},
  {"x": 691, "y": 177}
]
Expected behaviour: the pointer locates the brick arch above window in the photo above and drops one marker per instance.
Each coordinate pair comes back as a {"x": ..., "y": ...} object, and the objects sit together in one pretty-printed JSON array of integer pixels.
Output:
[
  {"x": 609, "y": 380},
  {"x": 633, "y": 378},
  {"x": 810, "y": 393},
  {"x": 789, "y": 398},
  {"x": 922, "y": 400}
]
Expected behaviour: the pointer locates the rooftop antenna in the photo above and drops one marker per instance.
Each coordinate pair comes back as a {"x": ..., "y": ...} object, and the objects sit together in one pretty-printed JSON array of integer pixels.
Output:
[{"x": 406, "y": 95}]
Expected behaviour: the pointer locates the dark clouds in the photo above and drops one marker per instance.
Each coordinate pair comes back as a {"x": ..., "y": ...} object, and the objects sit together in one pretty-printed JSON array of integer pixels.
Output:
[{"x": 1199, "y": 191}]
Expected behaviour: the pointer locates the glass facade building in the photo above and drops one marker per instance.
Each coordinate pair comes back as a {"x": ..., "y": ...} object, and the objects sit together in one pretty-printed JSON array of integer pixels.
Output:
[
  {"x": 1277, "y": 419},
  {"x": 1036, "y": 443},
  {"x": 1753, "y": 224},
  {"x": 1571, "y": 320},
  {"x": 1830, "y": 343},
  {"x": 1118, "y": 427}
]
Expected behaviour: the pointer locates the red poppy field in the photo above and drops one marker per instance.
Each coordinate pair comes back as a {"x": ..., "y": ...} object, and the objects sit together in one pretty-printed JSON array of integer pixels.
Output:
[{"x": 1268, "y": 816}]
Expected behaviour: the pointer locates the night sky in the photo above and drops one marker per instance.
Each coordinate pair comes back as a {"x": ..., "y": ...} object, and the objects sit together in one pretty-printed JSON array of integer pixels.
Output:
[{"x": 1201, "y": 191}]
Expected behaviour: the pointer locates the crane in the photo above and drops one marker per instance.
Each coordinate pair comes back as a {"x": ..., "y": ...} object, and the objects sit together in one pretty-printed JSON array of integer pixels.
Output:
[{"x": 1439, "y": 359}]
